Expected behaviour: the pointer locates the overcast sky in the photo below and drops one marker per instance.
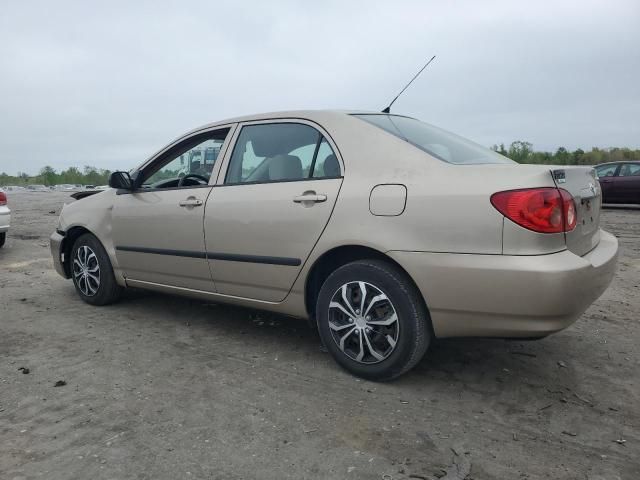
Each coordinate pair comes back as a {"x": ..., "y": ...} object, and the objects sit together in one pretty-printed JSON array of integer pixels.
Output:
[{"x": 108, "y": 83}]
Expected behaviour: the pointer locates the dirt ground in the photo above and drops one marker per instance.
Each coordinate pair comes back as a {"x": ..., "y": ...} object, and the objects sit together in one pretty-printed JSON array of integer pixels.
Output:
[{"x": 161, "y": 387}]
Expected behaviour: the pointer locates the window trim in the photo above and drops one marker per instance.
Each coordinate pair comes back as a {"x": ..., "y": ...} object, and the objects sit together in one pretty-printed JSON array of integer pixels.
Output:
[
  {"x": 224, "y": 168},
  {"x": 315, "y": 155}
]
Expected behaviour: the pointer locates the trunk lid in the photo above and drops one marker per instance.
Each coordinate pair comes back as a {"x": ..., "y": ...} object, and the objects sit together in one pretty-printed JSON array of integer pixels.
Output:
[{"x": 581, "y": 183}]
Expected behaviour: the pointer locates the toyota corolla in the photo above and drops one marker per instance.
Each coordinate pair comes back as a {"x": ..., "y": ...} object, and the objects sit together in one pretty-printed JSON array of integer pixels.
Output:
[{"x": 384, "y": 231}]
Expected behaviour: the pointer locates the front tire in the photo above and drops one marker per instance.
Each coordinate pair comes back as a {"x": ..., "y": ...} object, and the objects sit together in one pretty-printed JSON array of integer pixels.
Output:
[
  {"x": 92, "y": 272},
  {"x": 373, "y": 320}
]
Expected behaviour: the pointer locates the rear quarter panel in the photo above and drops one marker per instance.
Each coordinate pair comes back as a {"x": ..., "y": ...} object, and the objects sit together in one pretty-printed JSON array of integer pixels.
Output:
[{"x": 448, "y": 207}]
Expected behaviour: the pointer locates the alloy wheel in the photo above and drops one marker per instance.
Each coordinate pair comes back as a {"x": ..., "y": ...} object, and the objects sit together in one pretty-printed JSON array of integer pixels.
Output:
[
  {"x": 86, "y": 271},
  {"x": 363, "y": 322}
]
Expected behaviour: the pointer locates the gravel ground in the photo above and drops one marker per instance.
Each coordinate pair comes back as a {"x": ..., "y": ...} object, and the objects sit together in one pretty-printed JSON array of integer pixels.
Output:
[{"x": 161, "y": 387}]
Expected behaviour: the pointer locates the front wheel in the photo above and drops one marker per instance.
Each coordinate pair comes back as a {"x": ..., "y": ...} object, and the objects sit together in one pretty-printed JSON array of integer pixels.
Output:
[
  {"x": 372, "y": 319},
  {"x": 92, "y": 273}
]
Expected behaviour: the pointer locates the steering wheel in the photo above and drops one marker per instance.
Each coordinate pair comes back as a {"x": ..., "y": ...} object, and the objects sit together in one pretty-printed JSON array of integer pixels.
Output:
[{"x": 194, "y": 175}]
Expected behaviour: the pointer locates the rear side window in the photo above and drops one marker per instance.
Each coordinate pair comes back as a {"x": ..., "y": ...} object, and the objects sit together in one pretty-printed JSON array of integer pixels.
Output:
[
  {"x": 629, "y": 170},
  {"x": 326, "y": 165},
  {"x": 278, "y": 152},
  {"x": 439, "y": 143}
]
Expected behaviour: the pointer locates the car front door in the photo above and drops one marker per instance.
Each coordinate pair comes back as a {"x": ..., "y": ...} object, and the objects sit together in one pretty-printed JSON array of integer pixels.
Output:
[
  {"x": 267, "y": 212},
  {"x": 158, "y": 227},
  {"x": 606, "y": 177}
]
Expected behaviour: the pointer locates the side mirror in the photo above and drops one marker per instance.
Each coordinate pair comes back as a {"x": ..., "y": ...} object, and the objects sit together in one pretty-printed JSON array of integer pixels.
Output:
[{"x": 121, "y": 180}]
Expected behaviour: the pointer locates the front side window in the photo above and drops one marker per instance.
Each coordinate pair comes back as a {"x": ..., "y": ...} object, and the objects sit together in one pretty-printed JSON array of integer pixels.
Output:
[
  {"x": 439, "y": 143},
  {"x": 188, "y": 164},
  {"x": 277, "y": 152},
  {"x": 606, "y": 170}
]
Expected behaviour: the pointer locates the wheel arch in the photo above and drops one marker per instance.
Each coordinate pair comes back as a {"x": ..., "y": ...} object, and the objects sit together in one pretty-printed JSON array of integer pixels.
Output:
[
  {"x": 336, "y": 257},
  {"x": 70, "y": 237}
]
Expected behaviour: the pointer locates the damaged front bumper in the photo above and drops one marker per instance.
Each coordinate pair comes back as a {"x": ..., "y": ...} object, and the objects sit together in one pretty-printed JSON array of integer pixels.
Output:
[{"x": 57, "y": 252}]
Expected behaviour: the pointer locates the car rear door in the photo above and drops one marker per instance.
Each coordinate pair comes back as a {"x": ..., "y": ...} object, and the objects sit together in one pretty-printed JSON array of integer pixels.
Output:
[{"x": 270, "y": 207}]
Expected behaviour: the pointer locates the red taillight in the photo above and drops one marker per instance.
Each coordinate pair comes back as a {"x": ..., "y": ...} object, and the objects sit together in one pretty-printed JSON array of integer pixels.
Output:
[
  {"x": 543, "y": 210},
  {"x": 3, "y": 198}
]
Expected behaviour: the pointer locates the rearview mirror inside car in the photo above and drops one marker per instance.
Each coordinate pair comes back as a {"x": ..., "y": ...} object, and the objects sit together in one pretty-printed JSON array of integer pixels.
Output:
[{"x": 121, "y": 180}]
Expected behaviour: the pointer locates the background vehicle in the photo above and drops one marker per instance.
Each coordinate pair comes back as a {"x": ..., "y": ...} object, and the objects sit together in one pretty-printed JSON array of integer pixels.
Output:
[
  {"x": 37, "y": 188},
  {"x": 65, "y": 187},
  {"x": 13, "y": 188},
  {"x": 384, "y": 230},
  {"x": 620, "y": 182},
  {"x": 5, "y": 217}
]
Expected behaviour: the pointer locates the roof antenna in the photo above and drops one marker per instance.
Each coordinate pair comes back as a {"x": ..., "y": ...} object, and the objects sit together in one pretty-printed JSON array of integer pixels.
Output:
[{"x": 388, "y": 109}]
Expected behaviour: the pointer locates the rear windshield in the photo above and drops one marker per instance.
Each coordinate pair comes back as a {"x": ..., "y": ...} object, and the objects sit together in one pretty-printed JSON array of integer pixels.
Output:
[{"x": 443, "y": 145}]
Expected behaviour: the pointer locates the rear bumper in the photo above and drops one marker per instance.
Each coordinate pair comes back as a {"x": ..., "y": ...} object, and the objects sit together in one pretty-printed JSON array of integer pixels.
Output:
[
  {"x": 509, "y": 295},
  {"x": 5, "y": 218},
  {"x": 56, "y": 241}
]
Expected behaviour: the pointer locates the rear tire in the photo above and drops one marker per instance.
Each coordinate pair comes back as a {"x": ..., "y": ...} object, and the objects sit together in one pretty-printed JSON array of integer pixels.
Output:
[
  {"x": 3, "y": 238},
  {"x": 373, "y": 320},
  {"x": 92, "y": 272}
]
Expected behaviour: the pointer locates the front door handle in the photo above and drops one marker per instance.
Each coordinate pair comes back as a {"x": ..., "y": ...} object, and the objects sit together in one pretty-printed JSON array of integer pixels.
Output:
[
  {"x": 310, "y": 197},
  {"x": 190, "y": 202}
]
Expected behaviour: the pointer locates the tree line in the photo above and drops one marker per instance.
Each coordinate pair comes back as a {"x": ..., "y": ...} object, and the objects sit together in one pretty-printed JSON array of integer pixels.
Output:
[
  {"x": 49, "y": 176},
  {"x": 523, "y": 152},
  {"x": 520, "y": 151}
]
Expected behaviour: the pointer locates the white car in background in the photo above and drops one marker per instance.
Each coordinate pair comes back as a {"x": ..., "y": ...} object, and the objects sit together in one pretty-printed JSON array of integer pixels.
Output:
[
  {"x": 65, "y": 187},
  {"x": 5, "y": 217},
  {"x": 37, "y": 188}
]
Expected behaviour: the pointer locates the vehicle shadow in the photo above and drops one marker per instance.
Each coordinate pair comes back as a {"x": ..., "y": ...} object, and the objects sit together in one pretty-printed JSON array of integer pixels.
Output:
[{"x": 492, "y": 363}]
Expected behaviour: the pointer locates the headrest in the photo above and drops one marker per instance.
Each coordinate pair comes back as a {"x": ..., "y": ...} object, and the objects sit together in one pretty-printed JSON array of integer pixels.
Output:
[
  {"x": 285, "y": 167},
  {"x": 331, "y": 166}
]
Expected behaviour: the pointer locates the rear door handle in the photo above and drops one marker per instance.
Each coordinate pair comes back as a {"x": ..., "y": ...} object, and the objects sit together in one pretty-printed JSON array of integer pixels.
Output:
[
  {"x": 190, "y": 202},
  {"x": 310, "y": 197}
]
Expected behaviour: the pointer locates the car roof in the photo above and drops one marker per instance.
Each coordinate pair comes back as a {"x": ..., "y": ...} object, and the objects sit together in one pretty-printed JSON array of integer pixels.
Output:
[
  {"x": 317, "y": 116},
  {"x": 617, "y": 162}
]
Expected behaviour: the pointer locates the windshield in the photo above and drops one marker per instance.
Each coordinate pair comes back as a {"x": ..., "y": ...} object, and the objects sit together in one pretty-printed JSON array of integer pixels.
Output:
[{"x": 443, "y": 145}]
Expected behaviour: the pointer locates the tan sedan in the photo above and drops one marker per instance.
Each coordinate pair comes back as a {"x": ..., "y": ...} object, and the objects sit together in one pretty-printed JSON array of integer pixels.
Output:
[{"x": 383, "y": 230}]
